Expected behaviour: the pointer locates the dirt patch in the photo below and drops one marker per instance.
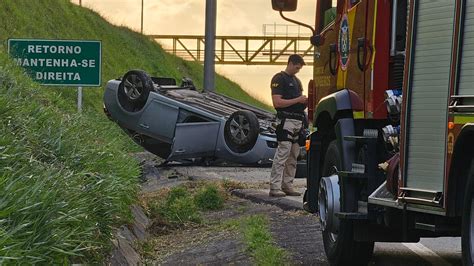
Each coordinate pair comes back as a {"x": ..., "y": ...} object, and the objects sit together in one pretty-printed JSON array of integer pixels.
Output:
[
  {"x": 214, "y": 243},
  {"x": 206, "y": 243}
]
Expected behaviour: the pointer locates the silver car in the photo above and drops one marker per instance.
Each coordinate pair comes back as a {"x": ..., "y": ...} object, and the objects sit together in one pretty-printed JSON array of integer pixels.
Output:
[{"x": 179, "y": 122}]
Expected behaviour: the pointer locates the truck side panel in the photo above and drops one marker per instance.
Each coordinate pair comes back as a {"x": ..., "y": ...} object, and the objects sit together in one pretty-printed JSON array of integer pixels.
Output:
[{"x": 428, "y": 92}]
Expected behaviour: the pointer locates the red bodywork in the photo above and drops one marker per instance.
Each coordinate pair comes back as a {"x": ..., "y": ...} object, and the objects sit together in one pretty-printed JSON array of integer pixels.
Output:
[{"x": 367, "y": 20}]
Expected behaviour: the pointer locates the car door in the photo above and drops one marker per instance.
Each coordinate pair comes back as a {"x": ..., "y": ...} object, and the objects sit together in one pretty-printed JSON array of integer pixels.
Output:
[
  {"x": 159, "y": 120},
  {"x": 193, "y": 140}
]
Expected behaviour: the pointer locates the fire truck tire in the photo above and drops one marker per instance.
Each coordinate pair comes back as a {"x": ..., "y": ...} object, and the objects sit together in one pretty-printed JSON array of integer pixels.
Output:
[
  {"x": 340, "y": 247},
  {"x": 467, "y": 233}
]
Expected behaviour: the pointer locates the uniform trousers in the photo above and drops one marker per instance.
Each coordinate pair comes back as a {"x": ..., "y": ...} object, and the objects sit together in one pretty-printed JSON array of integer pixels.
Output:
[{"x": 284, "y": 162}]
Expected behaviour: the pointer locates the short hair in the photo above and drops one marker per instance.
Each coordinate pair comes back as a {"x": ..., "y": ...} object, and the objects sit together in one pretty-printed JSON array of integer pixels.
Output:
[{"x": 296, "y": 59}]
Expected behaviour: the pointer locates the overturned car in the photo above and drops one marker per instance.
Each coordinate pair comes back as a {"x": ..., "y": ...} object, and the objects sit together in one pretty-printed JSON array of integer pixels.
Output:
[{"x": 177, "y": 122}]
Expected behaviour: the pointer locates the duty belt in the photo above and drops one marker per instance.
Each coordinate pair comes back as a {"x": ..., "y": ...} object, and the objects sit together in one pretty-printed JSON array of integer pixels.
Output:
[{"x": 289, "y": 115}]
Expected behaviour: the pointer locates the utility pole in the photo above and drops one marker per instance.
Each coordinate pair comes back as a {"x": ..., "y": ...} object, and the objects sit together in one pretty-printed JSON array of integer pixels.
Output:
[
  {"x": 141, "y": 29},
  {"x": 210, "y": 45}
]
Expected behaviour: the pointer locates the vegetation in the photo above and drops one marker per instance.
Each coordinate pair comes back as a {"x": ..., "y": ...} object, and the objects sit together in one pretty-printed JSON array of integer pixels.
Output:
[
  {"x": 209, "y": 198},
  {"x": 173, "y": 208},
  {"x": 67, "y": 179},
  {"x": 181, "y": 204},
  {"x": 260, "y": 243},
  {"x": 64, "y": 178},
  {"x": 178, "y": 207},
  {"x": 258, "y": 239},
  {"x": 229, "y": 185}
]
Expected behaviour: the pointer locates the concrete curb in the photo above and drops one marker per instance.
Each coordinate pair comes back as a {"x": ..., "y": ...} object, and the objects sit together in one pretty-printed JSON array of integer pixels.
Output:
[
  {"x": 261, "y": 196},
  {"x": 126, "y": 236}
]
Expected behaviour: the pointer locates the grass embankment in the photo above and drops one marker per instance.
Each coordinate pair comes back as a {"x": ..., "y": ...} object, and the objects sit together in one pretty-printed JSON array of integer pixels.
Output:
[{"x": 66, "y": 179}]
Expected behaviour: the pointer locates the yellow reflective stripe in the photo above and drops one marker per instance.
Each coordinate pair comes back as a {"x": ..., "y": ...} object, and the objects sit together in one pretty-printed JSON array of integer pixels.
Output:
[
  {"x": 340, "y": 77},
  {"x": 463, "y": 119},
  {"x": 358, "y": 114},
  {"x": 373, "y": 34}
]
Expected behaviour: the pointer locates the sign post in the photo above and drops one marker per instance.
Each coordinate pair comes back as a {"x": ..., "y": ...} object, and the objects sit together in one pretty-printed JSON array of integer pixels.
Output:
[
  {"x": 59, "y": 62},
  {"x": 79, "y": 99}
]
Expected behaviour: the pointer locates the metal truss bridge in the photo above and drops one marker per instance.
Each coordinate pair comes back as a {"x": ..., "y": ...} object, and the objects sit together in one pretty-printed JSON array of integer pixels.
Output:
[{"x": 239, "y": 50}]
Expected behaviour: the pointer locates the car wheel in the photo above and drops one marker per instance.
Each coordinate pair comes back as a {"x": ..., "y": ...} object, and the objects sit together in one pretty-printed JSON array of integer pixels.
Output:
[
  {"x": 241, "y": 131},
  {"x": 134, "y": 89}
]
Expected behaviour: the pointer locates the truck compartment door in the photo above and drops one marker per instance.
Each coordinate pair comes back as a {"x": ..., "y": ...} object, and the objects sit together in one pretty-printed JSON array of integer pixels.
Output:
[
  {"x": 427, "y": 95},
  {"x": 466, "y": 77}
]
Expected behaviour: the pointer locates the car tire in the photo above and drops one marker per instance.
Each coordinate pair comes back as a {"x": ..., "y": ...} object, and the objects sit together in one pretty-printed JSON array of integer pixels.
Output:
[
  {"x": 134, "y": 89},
  {"x": 341, "y": 248},
  {"x": 241, "y": 131}
]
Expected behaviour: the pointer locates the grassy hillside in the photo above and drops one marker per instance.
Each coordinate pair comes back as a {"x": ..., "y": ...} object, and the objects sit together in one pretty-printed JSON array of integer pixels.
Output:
[
  {"x": 67, "y": 179},
  {"x": 123, "y": 49}
]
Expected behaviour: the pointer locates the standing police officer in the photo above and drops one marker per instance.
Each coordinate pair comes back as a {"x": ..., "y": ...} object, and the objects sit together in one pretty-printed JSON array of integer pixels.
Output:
[{"x": 289, "y": 103}]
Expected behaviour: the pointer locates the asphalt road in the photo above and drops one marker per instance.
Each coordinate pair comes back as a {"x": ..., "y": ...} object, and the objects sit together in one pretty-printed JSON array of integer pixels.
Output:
[
  {"x": 429, "y": 251},
  {"x": 439, "y": 251}
]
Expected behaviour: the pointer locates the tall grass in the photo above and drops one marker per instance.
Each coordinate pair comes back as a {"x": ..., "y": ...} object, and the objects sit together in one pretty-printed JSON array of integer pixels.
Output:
[{"x": 64, "y": 179}]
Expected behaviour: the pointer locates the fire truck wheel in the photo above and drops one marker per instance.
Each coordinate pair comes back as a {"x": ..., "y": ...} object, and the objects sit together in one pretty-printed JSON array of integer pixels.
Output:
[
  {"x": 340, "y": 247},
  {"x": 467, "y": 234}
]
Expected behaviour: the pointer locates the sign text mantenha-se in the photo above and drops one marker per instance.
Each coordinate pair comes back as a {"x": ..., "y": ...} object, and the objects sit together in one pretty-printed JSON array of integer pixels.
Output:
[{"x": 59, "y": 62}]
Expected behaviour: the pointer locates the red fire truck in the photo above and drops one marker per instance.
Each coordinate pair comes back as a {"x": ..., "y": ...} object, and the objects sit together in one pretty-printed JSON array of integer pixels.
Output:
[{"x": 391, "y": 155}]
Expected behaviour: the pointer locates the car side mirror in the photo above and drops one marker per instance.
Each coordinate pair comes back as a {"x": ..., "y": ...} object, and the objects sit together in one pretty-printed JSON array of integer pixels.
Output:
[{"x": 284, "y": 5}]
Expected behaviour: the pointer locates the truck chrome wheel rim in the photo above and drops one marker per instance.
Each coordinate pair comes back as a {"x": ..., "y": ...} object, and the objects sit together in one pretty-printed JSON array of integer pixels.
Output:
[
  {"x": 329, "y": 205},
  {"x": 239, "y": 128},
  {"x": 323, "y": 206},
  {"x": 133, "y": 87}
]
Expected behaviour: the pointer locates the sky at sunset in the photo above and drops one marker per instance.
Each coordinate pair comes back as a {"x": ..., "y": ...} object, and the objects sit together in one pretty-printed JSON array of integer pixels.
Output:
[{"x": 187, "y": 17}]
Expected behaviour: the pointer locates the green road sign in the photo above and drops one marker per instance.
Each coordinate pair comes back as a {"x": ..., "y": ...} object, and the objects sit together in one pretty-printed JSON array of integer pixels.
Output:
[{"x": 58, "y": 62}]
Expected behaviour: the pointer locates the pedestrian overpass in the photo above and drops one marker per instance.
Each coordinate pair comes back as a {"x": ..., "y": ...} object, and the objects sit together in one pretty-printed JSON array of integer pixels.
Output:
[{"x": 239, "y": 50}]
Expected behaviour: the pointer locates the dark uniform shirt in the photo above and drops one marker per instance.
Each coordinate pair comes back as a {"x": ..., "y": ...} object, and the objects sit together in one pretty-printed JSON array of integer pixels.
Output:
[{"x": 289, "y": 87}]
